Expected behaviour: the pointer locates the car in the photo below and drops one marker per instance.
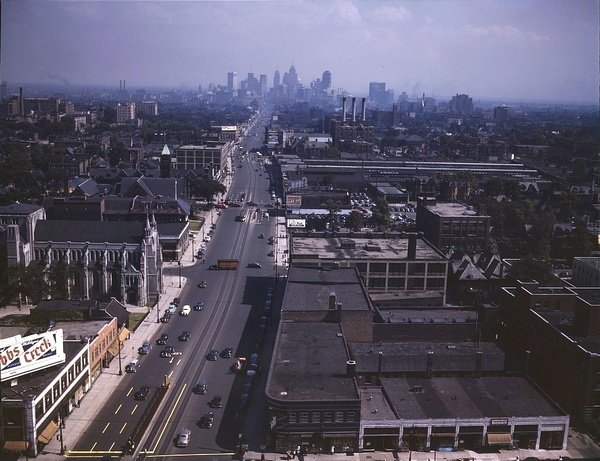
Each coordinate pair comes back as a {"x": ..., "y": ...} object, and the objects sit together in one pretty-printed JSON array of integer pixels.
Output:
[
  {"x": 227, "y": 353},
  {"x": 171, "y": 349},
  {"x": 165, "y": 318},
  {"x": 213, "y": 226},
  {"x": 165, "y": 354},
  {"x": 144, "y": 349},
  {"x": 207, "y": 420},
  {"x": 199, "y": 306},
  {"x": 251, "y": 203},
  {"x": 254, "y": 265},
  {"x": 207, "y": 238},
  {"x": 201, "y": 387},
  {"x": 185, "y": 336},
  {"x": 202, "y": 284},
  {"x": 261, "y": 236},
  {"x": 162, "y": 341},
  {"x": 132, "y": 367},
  {"x": 183, "y": 439},
  {"x": 216, "y": 402},
  {"x": 142, "y": 394},
  {"x": 176, "y": 301},
  {"x": 212, "y": 355},
  {"x": 213, "y": 267},
  {"x": 271, "y": 253}
]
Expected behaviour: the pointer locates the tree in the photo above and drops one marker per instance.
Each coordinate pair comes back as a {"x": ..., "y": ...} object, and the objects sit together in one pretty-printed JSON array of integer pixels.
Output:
[
  {"x": 381, "y": 213},
  {"x": 333, "y": 208},
  {"x": 355, "y": 221},
  {"x": 531, "y": 269},
  {"x": 206, "y": 188}
]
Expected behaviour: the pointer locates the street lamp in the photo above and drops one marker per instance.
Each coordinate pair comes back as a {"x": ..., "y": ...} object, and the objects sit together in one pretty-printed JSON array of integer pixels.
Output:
[
  {"x": 179, "y": 267},
  {"x": 193, "y": 239},
  {"x": 60, "y": 428},
  {"x": 120, "y": 368}
]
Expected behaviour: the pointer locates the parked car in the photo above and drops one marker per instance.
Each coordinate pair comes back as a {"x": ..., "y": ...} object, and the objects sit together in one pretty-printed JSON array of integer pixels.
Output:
[
  {"x": 144, "y": 349},
  {"x": 254, "y": 265},
  {"x": 227, "y": 353},
  {"x": 132, "y": 367},
  {"x": 183, "y": 439}
]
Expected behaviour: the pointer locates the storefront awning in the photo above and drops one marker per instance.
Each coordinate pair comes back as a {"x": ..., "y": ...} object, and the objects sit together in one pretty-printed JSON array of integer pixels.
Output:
[
  {"x": 499, "y": 439},
  {"x": 48, "y": 433},
  {"x": 16, "y": 445},
  {"x": 124, "y": 334}
]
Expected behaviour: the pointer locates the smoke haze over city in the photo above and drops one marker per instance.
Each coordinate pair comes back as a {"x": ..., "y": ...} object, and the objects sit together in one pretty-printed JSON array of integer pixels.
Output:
[{"x": 526, "y": 50}]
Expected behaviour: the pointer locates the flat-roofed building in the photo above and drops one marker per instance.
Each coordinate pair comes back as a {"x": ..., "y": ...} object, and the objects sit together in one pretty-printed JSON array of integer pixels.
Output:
[
  {"x": 586, "y": 271},
  {"x": 208, "y": 158},
  {"x": 404, "y": 264},
  {"x": 451, "y": 225}
]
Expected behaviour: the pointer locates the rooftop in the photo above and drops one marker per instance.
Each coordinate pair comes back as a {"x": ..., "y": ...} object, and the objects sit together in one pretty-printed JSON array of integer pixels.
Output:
[
  {"x": 451, "y": 209},
  {"x": 330, "y": 248},
  {"x": 310, "y": 364},
  {"x": 506, "y": 396}
]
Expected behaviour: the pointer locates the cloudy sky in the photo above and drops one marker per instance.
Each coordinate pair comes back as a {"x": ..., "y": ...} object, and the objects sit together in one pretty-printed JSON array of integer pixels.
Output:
[{"x": 512, "y": 49}]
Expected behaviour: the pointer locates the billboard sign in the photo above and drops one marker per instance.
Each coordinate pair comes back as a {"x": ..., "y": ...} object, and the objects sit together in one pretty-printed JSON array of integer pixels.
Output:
[
  {"x": 293, "y": 201},
  {"x": 22, "y": 355},
  {"x": 296, "y": 223}
]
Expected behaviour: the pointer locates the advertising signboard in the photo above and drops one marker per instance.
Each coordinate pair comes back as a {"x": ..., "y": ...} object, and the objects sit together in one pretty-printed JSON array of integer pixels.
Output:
[
  {"x": 293, "y": 201},
  {"x": 296, "y": 223},
  {"x": 22, "y": 355}
]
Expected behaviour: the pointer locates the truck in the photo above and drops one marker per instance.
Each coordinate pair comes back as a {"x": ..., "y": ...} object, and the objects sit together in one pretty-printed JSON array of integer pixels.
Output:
[{"x": 228, "y": 264}]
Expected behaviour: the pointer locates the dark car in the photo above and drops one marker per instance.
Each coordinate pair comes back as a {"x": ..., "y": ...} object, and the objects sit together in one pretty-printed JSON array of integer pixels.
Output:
[
  {"x": 201, "y": 387},
  {"x": 216, "y": 402},
  {"x": 164, "y": 338},
  {"x": 199, "y": 306},
  {"x": 185, "y": 336},
  {"x": 142, "y": 393},
  {"x": 176, "y": 301},
  {"x": 213, "y": 267},
  {"x": 207, "y": 420},
  {"x": 165, "y": 318},
  {"x": 227, "y": 353},
  {"x": 166, "y": 354},
  {"x": 171, "y": 349},
  {"x": 202, "y": 284},
  {"x": 212, "y": 355},
  {"x": 254, "y": 265}
]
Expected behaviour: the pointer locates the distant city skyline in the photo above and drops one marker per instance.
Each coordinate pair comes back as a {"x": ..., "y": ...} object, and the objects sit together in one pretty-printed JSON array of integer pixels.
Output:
[{"x": 531, "y": 50}]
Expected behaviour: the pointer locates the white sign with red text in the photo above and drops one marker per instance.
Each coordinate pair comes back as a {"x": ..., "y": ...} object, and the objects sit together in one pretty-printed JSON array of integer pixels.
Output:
[{"x": 21, "y": 355}]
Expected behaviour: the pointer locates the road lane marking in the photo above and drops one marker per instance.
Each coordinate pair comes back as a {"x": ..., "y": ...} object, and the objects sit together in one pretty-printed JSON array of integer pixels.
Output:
[
  {"x": 118, "y": 408},
  {"x": 178, "y": 362},
  {"x": 122, "y": 429},
  {"x": 170, "y": 374},
  {"x": 111, "y": 447},
  {"x": 181, "y": 455},
  {"x": 94, "y": 446},
  {"x": 164, "y": 428},
  {"x": 105, "y": 427},
  {"x": 134, "y": 408},
  {"x": 129, "y": 391}
]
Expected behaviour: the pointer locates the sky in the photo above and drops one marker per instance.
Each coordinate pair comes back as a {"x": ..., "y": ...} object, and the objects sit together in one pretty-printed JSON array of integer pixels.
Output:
[{"x": 531, "y": 50}]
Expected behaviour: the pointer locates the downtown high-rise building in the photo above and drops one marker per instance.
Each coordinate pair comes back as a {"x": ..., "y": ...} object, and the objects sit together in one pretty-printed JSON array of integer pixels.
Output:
[
  {"x": 461, "y": 104},
  {"x": 326, "y": 80},
  {"x": 276, "y": 79},
  {"x": 232, "y": 83},
  {"x": 263, "y": 83},
  {"x": 379, "y": 95}
]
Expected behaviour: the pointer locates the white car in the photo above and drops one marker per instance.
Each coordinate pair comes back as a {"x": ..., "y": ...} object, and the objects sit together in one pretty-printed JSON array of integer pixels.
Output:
[
  {"x": 183, "y": 439},
  {"x": 185, "y": 310}
]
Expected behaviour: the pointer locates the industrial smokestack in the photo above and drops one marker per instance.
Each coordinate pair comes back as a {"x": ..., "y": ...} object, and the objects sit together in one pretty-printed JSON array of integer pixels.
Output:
[
  {"x": 123, "y": 84},
  {"x": 21, "y": 102},
  {"x": 354, "y": 109},
  {"x": 364, "y": 109},
  {"x": 429, "y": 363},
  {"x": 379, "y": 363},
  {"x": 350, "y": 369},
  {"x": 120, "y": 85},
  {"x": 332, "y": 301},
  {"x": 344, "y": 109}
]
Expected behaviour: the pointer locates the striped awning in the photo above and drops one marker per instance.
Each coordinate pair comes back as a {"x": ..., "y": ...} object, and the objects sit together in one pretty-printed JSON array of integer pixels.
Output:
[
  {"x": 48, "y": 433},
  {"x": 499, "y": 439},
  {"x": 124, "y": 334}
]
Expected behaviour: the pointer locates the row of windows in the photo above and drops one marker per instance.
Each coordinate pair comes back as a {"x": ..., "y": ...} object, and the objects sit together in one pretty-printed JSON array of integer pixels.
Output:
[
  {"x": 61, "y": 254},
  {"x": 401, "y": 268},
  {"x": 305, "y": 417},
  {"x": 410, "y": 283},
  {"x": 52, "y": 395}
]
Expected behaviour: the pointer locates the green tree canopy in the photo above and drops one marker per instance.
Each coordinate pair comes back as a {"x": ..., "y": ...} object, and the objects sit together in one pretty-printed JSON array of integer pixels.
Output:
[{"x": 206, "y": 188}]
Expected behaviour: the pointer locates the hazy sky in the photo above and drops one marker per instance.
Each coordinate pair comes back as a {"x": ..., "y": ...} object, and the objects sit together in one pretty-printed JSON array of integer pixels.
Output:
[{"x": 512, "y": 49}]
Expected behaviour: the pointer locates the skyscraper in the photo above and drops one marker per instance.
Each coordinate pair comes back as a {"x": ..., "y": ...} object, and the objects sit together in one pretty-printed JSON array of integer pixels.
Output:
[
  {"x": 326, "y": 80},
  {"x": 276, "y": 79},
  {"x": 378, "y": 93},
  {"x": 231, "y": 81},
  {"x": 263, "y": 84},
  {"x": 461, "y": 104}
]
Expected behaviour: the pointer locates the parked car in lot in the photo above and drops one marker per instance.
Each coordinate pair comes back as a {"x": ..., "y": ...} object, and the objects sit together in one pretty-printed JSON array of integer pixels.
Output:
[{"x": 183, "y": 439}]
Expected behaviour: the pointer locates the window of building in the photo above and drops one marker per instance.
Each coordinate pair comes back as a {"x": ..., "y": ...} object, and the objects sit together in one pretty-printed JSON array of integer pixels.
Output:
[
  {"x": 351, "y": 416},
  {"x": 435, "y": 283},
  {"x": 415, "y": 283},
  {"x": 48, "y": 399},
  {"x": 416, "y": 269},
  {"x": 376, "y": 282},
  {"x": 436, "y": 268},
  {"x": 339, "y": 416},
  {"x": 396, "y": 282},
  {"x": 379, "y": 268},
  {"x": 397, "y": 268},
  {"x": 304, "y": 417},
  {"x": 293, "y": 417},
  {"x": 316, "y": 416},
  {"x": 328, "y": 417},
  {"x": 362, "y": 267}
]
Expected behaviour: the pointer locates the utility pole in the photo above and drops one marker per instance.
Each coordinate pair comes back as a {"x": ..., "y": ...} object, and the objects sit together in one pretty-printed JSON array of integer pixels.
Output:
[
  {"x": 60, "y": 428},
  {"x": 179, "y": 266},
  {"x": 120, "y": 368}
]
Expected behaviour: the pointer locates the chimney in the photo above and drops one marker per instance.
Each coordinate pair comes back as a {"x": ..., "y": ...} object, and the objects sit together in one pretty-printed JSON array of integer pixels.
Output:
[
  {"x": 123, "y": 84},
  {"x": 354, "y": 109},
  {"x": 412, "y": 246},
  {"x": 364, "y": 109},
  {"x": 332, "y": 301},
  {"x": 379, "y": 363},
  {"x": 21, "y": 102},
  {"x": 350, "y": 368},
  {"x": 344, "y": 109}
]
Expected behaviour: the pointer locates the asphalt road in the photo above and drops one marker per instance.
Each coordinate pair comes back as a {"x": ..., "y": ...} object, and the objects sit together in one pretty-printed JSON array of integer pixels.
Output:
[{"x": 234, "y": 302}]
